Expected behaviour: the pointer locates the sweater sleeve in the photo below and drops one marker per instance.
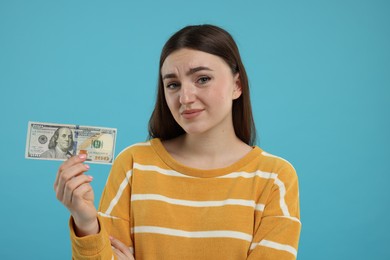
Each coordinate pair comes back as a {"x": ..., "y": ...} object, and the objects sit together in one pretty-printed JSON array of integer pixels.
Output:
[
  {"x": 113, "y": 215},
  {"x": 277, "y": 227}
]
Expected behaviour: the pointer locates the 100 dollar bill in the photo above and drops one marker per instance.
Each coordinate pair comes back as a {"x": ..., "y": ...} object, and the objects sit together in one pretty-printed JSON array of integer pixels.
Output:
[{"x": 49, "y": 141}]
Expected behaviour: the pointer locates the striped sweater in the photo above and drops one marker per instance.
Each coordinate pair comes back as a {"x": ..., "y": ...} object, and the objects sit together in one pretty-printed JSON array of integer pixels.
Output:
[{"x": 162, "y": 209}]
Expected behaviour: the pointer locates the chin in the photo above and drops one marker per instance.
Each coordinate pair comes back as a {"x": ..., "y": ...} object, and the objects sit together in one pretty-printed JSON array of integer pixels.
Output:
[{"x": 194, "y": 130}]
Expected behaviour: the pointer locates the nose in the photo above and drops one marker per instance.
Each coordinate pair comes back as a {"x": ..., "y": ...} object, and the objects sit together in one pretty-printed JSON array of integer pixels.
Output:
[{"x": 187, "y": 94}]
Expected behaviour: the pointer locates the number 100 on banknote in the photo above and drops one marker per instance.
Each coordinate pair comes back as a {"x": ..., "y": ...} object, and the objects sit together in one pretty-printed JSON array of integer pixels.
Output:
[{"x": 50, "y": 141}]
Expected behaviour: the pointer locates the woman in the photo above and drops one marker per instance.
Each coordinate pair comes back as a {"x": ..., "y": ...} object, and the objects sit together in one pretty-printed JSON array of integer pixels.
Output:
[{"x": 199, "y": 188}]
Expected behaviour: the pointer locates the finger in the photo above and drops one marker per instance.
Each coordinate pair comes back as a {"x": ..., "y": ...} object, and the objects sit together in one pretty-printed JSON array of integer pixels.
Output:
[
  {"x": 71, "y": 161},
  {"x": 67, "y": 175},
  {"x": 118, "y": 253},
  {"x": 74, "y": 188},
  {"x": 120, "y": 246},
  {"x": 81, "y": 194}
]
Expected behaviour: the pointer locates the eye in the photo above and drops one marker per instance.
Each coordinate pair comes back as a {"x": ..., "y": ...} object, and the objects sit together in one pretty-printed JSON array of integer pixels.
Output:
[
  {"x": 203, "y": 80},
  {"x": 172, "y": 85}
]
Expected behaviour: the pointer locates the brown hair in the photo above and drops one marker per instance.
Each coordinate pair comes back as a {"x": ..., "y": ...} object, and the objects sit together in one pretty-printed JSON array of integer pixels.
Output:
[{"x": 216, "y": 41}]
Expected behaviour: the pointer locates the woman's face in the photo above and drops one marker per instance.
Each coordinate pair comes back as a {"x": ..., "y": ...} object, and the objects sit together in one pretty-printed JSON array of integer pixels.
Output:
[{"x": 199, "y": 89}]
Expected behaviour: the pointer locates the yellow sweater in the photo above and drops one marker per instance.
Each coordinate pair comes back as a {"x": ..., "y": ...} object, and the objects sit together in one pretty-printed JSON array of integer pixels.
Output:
[{"x": 162, "y": 209}]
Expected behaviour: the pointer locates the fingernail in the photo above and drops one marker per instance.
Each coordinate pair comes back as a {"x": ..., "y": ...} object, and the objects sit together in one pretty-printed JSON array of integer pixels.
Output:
[
  {"x": 82, "y": 156},
  {"x": 90, "y": 177},
  {"x": 86, "y": 166}
]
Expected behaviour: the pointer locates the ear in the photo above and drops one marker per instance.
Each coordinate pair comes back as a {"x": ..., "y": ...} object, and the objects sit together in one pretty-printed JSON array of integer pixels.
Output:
[{"x": 237, "y": 87}]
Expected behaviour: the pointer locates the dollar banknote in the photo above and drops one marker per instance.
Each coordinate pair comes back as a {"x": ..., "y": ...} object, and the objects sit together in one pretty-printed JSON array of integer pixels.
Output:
[{"x": 50, "y": 141}]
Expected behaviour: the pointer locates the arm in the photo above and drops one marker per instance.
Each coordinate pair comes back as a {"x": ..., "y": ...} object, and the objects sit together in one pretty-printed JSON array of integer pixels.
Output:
[
  {"x": 73, "y": 189},
  {"x": 112, "y": 219},
  {"x": 277, "y": 228}
]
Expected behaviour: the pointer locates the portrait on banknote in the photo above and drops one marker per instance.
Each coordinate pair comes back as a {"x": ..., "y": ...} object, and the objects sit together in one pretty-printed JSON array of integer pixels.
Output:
[{"x": 60, "y": 144}]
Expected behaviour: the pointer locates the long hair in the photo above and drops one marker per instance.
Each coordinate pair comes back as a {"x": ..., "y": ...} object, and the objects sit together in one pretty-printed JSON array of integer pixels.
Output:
[{"x": 213, "y": 40}]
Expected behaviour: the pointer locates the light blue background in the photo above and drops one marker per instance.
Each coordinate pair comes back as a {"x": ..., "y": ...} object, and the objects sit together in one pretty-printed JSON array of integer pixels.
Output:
[{"x": 320, "y": 80}]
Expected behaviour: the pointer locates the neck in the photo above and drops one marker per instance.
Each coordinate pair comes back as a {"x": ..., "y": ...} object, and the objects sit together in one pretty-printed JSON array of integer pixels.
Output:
[
  {"x": 215, "y": 148},
  {"x": 207, "y": 152},
  {"x": 208, "y": 145}
]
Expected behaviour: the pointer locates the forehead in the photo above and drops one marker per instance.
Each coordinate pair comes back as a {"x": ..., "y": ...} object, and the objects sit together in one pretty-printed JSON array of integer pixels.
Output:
[
  {"x": 188, "y": 58},
  {"x": 64, "y": 131}
]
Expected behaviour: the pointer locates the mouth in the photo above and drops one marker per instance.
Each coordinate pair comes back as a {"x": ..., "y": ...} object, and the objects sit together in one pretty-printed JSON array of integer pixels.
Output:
[{"x": 191, "y": 113}]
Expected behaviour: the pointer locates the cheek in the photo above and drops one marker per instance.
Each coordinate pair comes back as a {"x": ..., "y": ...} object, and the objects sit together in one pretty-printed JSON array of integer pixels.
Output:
[
  {"x": 171, "y": 101},
  {"x": 222, "y": 94}
]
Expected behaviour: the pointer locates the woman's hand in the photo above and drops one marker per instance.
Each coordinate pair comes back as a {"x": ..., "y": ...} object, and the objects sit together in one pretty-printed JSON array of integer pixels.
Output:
[
  {"x": 121, "y": 250},
  {"x": 73, "y": 189}
]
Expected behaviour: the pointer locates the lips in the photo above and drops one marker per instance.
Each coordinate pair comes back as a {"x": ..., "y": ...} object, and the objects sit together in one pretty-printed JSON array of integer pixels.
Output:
[{"x": 191, "y": 113}]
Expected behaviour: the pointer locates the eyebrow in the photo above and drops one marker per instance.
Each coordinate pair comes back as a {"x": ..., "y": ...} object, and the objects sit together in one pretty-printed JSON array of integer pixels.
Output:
[{"x": 190, "y": 72}]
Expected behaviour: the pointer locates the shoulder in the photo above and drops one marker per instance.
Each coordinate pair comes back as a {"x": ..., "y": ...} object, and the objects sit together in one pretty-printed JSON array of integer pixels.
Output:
[
  {"x": 277, "y": 165},
  {"x": 124, "y": 161},
  {"x": 280, "y": 161},
  {"x": 134, "y": 149}
]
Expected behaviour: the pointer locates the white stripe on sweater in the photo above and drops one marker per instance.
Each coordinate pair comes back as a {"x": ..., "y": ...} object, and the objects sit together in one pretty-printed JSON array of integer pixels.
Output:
[
  {"x": 275, "y": 245},
  {"x": 282, "y": 202},
  {"x": 192, "y": 234},
  {"x": 288, "y": 217},
  {"x": 159, "y": 170},
  {"x": 261, "y": 174},
  {"x": 274, "y": 156},
  {"x": 197, "y": 203},
  {"x": 137, "y": 144},
  {"x": 106, "y": 216},
  {"x": 122, "y": 187}
]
